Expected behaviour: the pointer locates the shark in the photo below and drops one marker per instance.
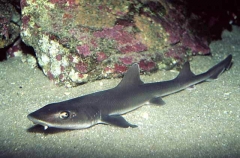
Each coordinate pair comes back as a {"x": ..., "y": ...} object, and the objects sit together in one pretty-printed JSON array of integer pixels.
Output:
[{"x": 107, "y": 107}]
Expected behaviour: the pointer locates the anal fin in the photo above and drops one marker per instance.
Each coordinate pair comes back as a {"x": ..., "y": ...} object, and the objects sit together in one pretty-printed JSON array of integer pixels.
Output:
[
  {"x": 157, "y": 101},
  {"x": 117, "y": 120}
]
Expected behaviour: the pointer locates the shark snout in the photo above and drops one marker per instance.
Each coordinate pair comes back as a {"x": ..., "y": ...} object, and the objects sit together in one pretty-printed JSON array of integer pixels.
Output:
[{"x": 32, "y": 118}]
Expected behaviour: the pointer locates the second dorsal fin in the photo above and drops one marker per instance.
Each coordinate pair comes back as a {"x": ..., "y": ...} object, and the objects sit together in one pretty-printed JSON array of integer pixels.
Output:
[{"x": 185, "y": 72}]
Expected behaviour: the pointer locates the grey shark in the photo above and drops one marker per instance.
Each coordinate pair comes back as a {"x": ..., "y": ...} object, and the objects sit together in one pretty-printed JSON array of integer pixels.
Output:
[{"x": 131, "y": 93}]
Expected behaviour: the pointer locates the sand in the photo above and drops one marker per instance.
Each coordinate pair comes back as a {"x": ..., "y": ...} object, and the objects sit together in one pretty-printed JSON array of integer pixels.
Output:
[{"x": 201, "y": 122}]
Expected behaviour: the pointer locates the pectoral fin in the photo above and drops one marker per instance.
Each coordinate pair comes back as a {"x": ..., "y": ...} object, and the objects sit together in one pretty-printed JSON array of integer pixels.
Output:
[
  {"x": 157, "y": 101},
  {"x": 117, "y": 120}
]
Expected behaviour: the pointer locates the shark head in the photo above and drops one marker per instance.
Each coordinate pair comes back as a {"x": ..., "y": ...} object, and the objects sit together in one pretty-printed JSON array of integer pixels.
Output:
[{"x": 58, "y": 115}]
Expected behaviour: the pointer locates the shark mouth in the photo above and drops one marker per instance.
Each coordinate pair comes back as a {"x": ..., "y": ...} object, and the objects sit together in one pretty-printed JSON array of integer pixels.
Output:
[{"x": 38, "y": 122}]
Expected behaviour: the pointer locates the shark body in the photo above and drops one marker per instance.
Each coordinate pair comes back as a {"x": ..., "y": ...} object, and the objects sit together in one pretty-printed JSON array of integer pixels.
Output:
[{"x": 108, "y": 106}]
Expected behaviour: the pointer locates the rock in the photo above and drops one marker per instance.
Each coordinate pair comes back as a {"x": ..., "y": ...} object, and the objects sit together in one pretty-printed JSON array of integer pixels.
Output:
[
  {"x": 9, "y": 23},
  {"x": 79, "y": 41}
]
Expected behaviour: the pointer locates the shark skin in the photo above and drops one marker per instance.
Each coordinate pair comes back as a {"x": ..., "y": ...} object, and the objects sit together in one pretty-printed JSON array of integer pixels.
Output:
[{"x": 131, "y": 93}]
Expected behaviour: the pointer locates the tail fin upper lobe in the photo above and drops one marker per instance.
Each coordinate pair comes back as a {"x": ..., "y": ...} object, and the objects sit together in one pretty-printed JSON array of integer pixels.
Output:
[{"x": 218, "y": 69}]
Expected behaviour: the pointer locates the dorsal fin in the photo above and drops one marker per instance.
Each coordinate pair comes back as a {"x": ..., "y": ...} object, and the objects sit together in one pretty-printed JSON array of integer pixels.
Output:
[
  {"x": 185, "y": 72},
  {"x": 131, "y": 77}
]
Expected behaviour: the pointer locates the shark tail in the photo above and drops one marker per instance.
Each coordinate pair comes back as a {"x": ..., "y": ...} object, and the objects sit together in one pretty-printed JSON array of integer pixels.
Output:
[
  {"x": 187, "y": 75},
  {"x": 218, "y": 69}
]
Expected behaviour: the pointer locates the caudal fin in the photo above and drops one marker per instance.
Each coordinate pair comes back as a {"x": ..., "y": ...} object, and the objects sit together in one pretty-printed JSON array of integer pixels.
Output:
[
  {"x": 186, "y": 75},
  {"x": 218, "y": 69}
]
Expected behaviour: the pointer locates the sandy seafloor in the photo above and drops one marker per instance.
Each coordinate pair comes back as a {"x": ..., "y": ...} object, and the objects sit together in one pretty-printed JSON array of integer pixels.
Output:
[{"x": 202, "y": 122}]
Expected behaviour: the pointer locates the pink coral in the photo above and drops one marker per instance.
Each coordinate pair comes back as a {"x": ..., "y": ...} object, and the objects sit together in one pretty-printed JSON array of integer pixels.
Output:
[
  {"x": 25, "y": 21},
  {"x": 70, "y": 57},
  {"x": 176, "y": 52},
  {"x": 59, "y": 57},
  {"x": 50, "y": 75},
  {"x": 81, "y": 67},
  {"x": 195, "y": 44},
  {"x": 126, "y": 60},
  {"x": 108, "y": 70},
  {"x": 120, "y": 68},
  {"x": 61, "y": 76},
  {"x": 147, "y": 65},
  {"x": 13, "y": 50},
  {"x": 126, "y": 42},
  {"x": 101, "y": 56},
  {"x": 136, "y": 47},
  {"x": 23, "y": 3},
  {"x": 180, "y": 31},
  {"x": 84, "y": 50}
]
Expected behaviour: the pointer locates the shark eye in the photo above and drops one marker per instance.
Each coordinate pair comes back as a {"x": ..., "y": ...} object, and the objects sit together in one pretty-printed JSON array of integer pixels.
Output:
[{"x": 64, "y": 115}]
